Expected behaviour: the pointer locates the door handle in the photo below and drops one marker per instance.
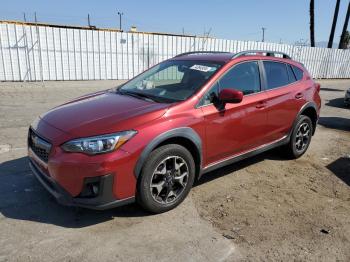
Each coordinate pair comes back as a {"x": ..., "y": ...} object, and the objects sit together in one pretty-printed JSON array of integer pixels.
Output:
[
  {"x": 299, "y": 95},
  {"x": 261, "y": 104}
]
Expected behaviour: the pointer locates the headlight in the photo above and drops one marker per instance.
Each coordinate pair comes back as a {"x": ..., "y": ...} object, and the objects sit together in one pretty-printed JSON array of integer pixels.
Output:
[{"x": 98, "y": 144}]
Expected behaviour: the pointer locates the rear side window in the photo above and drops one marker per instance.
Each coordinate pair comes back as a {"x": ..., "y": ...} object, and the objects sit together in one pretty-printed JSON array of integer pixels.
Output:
[
  {"x": 298, "y": 73},
  {"x": 276, "y": 74},
  {"x": 244, "y": 77},
  {"x": 291, "y": 75}
]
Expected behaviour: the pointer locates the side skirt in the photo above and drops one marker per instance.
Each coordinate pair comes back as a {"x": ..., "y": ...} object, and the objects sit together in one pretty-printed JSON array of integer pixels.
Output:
[{"x": 227, "y": 161}]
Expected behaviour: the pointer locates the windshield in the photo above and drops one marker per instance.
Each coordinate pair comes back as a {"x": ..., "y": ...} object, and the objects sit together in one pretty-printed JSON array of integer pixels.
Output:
[{"x": 170, "y": 81}]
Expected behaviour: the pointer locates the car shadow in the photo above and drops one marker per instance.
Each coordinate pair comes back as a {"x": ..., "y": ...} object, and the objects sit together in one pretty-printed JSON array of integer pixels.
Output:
[
  {"x": 23, "y": 198},
  {"x": 336, "y": 102},
  {"x": 340, "y": 168},
  {"x": 331, "y": 89},
  {"x": 333, "y": 122},
  {"x": 274, "y": 154}
]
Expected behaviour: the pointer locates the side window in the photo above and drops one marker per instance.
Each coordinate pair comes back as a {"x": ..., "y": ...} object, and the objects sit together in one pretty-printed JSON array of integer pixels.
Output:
[
  {"x": 244, "y": 77},
  {"x": 276, "y": 74},
  {"x": 291, "y": 74},
  {"x": 298, "y": 73}
]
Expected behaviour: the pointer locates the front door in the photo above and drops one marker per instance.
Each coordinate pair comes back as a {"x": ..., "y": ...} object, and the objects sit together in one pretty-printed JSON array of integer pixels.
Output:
[{"x": 239, "y": 127}]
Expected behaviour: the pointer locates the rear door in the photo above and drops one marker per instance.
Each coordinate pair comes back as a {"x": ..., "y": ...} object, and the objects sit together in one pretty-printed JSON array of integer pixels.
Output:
[
  {"x": 285, "y": 96},
  {"x": 239, "y": 127}
]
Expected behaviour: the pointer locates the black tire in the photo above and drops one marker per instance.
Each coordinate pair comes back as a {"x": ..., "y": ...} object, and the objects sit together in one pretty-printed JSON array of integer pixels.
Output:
[
  {"x": 157, "y": 200},
  {"x": 294, "y": 149}
]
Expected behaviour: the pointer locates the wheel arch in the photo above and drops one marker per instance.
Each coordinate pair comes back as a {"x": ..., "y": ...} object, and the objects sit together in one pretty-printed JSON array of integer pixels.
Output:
[
  {"x": 184, "y": 136},
  {"x": 310, "y": 110}
]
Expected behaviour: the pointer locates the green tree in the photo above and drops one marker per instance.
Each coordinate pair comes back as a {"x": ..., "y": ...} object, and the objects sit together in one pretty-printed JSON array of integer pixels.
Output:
[
  {"x": 345, "y": 33},
  {"x": 346, "y": 41}
]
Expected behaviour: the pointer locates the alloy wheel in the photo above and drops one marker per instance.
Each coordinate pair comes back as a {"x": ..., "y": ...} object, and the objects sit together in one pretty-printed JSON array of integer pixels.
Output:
[
  {"x": 302, "y": 137},
  {"x": 169, "y": 179}
]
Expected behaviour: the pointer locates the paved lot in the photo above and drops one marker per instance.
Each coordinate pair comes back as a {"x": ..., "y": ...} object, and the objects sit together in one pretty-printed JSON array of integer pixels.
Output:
[{"x": 264, "y": 208}]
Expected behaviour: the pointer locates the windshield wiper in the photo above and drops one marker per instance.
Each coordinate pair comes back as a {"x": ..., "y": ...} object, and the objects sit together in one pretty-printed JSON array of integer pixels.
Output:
[{"x": 137, "y": 95}]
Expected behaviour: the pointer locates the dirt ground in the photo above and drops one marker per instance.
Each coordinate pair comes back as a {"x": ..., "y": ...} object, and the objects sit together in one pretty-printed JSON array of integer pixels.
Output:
[{"x": 265, "y": 208}]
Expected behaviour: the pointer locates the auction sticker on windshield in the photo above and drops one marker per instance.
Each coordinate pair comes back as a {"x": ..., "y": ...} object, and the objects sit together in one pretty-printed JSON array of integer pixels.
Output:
[{"x": 202, "y": 68}]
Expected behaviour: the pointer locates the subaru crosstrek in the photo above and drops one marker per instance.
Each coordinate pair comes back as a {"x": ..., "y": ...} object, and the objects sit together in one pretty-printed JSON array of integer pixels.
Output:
[{"x": 149, "y": 139}]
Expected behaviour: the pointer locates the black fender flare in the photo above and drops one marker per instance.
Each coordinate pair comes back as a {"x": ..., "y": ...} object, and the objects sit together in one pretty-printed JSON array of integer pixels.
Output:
[
  {"x": 302, "y": 109},
  {"x": 181, "y": 132}
]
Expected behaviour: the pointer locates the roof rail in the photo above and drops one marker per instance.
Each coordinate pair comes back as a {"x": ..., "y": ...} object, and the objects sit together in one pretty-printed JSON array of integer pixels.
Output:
[
  {"x": 268, "y": 53},
  {"x": 202, "y": 52}
]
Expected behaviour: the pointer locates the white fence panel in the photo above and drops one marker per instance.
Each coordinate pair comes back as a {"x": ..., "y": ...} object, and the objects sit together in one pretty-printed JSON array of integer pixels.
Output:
[{"x": 38, "y": 53}]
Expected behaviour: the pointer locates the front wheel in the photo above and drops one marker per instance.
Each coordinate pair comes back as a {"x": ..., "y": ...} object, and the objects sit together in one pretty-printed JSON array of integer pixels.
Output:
[
  {"x": 300, "y": 138},
  {"x": 166, "y": 178}
]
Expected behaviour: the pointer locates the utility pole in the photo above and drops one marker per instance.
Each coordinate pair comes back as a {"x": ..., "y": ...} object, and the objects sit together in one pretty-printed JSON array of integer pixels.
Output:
[
  {"x": 263, "y": 33},
  {"x": 183, "y": 31},
  {"x": 120, "y": 20},
  {"x": 24, "y": 17},
  {"x": 35, "y": 19},
  {"x": 89, "y": 20},
  {"x": 206, "y": 37}
]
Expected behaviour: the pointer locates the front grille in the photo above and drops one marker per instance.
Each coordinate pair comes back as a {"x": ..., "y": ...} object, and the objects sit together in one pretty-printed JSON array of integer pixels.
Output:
[{"x": 39, "y": 146}]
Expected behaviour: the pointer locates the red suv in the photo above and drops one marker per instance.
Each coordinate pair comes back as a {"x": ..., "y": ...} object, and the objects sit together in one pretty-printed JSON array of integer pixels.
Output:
[{"x": 152, "y": 137}]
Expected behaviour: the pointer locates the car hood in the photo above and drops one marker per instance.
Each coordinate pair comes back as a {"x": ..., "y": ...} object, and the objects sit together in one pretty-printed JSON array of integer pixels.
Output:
[{"x": 101, "y": 113}]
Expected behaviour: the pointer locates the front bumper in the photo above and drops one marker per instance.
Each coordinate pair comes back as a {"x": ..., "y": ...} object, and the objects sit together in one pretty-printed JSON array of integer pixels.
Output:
[{"x": 104, "y": 200}]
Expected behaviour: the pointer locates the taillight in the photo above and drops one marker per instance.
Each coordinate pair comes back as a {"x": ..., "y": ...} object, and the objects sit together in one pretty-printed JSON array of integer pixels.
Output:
[{"x": 318, "y": 87}]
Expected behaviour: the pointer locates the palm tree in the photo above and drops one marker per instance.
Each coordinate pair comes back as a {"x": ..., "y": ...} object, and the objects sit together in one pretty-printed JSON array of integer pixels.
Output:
[
  {"x": 342, "y": 44},
  {"x": 312, "y": 22},
  {"x": 335, "y": 17}
]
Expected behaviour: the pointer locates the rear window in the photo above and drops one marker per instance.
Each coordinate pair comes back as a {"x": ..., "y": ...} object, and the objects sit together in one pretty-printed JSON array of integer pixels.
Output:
[
  {"x": 276, "y": 74},
  {"x": 298, "y": 73}
]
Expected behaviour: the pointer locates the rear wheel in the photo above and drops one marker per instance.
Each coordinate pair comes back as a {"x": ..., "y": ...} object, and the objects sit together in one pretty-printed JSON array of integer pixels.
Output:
[
  {"x": 300, "y": 138},
  {"x": 166, "y": 178}
]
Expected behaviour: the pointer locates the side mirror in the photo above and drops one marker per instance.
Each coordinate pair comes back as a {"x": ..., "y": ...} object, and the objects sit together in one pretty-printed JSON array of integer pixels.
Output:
[{"x": 230, "y": 96}]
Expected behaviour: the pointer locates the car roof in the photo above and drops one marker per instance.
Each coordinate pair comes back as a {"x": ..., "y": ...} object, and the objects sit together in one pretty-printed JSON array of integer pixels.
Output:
[
  {"x": 221, "y": 57},
  {"x": 224, "y": 57}
]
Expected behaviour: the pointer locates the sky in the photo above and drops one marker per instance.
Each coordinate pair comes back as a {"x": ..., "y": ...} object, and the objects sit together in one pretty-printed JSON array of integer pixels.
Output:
[{"x": 285, "y": 21}]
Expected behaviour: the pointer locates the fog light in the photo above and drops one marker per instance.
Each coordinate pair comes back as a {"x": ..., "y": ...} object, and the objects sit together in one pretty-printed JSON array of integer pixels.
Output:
[
  {"x": 95, "y": 189},
  {"x": 90, "y": 189}
]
